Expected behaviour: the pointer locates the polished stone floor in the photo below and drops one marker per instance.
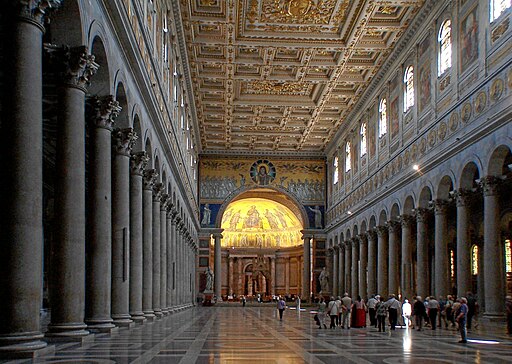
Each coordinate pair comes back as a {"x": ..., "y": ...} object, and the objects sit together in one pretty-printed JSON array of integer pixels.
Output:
[{"x": 255, "y": 335}]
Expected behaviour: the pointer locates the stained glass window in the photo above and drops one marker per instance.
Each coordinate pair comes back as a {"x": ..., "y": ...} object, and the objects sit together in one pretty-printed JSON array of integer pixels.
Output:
[
  {"x": 452, "y": 264},
  {"x": 408, "y": 88},
  {"x": 445, "y": 46},
  {"x": 336, "y": 171},
  {"x": 498, "y": 7},
  {"x": 363, "y": 139},
  {"x": 348, "y": 157},
  {"x": 474, "y": 260},
  {"x": 383, "y": 120}
]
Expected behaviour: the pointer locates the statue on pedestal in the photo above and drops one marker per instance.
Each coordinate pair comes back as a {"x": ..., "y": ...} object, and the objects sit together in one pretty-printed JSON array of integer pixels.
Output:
[
  {"x": 209, "y": 280},
  {"x": 324, "y": 281}
]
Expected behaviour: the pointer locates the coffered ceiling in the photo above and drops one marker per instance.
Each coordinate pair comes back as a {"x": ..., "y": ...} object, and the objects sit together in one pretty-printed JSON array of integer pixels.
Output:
[{"x": 282, "y": 75}]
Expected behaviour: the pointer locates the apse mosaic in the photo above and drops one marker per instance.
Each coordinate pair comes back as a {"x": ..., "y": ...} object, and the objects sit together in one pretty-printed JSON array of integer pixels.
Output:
[{"x": 260, "y": 223}]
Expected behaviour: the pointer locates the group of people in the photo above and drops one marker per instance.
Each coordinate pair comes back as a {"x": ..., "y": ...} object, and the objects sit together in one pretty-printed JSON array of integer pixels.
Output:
[{"x": 458, "y": 313}]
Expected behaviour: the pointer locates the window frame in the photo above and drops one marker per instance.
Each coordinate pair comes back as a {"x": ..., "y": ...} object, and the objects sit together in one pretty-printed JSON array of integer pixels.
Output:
[
  {"x": 409, "y": 89},
  {"x": 383, "y": 124},
  {"x": 442, "y": 47}
]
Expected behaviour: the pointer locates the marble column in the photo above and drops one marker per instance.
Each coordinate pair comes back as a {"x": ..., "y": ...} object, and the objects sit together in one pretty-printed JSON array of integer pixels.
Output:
[
  {"x": 306, "y": 269},
  {"x": 342, "y": 288},
  {"x": 147, "y": 241},
  {"x": 181, "y": 249},
  {"x": 287, "y": 276},
  {"x": 218, "y": 267},
  {"x": 273, "y": 275},
  {"x": 422, "y": 267},
  {"x": 363, "y": 262},
  {"x": 407, "y": 276},
  {"x": 137, "y": 164},
  {"x": 372, "y": 262},
  {"x": 163, "y": 253},
  {"x": 240, "y": 277},
  {"x": 348, "y": 267},
  {"x": 493, "y": 249},
  {"x": 393, "y": 263},
  {"x": 230, "y": 276},
  {"x": 21, "y": 270},
  {"x": 99, "y": 220},
  {"x": 335, "y": 272},
  {"x": 462, "y": 197},
  {"x": 174, "y": 249},
  {"x": 123, "y": 140},
  {"x": 355, "y": 268},
  {"x": 170, "y": 256},
  {"x": 67, "y": 274},
  {"x": 382, "y": 261},
  {"x": 157, "y": 195},
  {"x": 441, "y": 262}
]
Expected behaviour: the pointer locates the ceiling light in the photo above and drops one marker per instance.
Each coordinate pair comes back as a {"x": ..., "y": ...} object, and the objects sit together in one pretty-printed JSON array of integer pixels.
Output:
[
  {"x": 416, "y": 167},
  {"x": 349, "y": 212}
]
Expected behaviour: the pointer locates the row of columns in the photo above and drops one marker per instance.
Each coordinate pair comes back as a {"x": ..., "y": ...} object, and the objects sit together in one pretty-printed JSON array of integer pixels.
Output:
[
  {"x": 368, "y": 264},
  {"x": 122, "y": 272}
]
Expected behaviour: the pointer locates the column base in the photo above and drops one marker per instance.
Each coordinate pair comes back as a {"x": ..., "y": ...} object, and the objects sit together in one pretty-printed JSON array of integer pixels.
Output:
[
  {"x": 56, "y": 338},
  {"x": 138, "y": 317},
  {"x": 24, "y": 345},
  {"x": 159, "y": 314},
  {"x": 100, "y": 325},
  {"x": 165, "y": 312},
  {"x": 149, "y": 316},
  {"x": 123, "y": 321},
  {"x": 67, "y": 332},
  {"x": 494, "y": 317}
]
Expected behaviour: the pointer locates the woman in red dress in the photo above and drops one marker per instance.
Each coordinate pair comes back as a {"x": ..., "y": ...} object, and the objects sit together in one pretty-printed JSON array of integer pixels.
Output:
[{"x": 359, "y": 313}]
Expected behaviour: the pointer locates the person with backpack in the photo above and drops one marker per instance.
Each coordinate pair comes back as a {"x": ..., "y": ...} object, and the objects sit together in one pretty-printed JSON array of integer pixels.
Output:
[{"x": 382, "y": 313}]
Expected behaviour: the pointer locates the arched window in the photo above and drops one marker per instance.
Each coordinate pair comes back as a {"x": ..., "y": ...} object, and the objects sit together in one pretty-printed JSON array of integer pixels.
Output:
[
  {"x": 497, "y": 7},
  {"x": 336, "y": 170},
  {"x": 445, "y": 46},
  {"x": 363, "y": 139},
  {"x": 348, "y": 157},
  {"x": 408, "y": 88},
  {"x": 508, "y": 256},
  {"x": 383, "y": 118},
  {"x": 474, "y": 260}
]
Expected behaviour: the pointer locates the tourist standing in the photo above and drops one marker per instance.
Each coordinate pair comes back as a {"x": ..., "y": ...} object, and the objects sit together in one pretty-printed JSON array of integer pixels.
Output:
[
  {"x": 419, "y": 312},
  {"x": 244, "y": 300},
  {"x": 359, "y": 313},
  {"x": 406, "y": 313},
  {"x": 472, "y": 310},
  {"x": 280, "y": 307},
  {"x": 321, "y": 313},
  {"x": 346, "y": 302},
  {"x": 372, "y": 302},
  {"x": 333, "y": 310},
  {"x": 461, "y": 319},
  {"x": 297, "y": 301},
  {"x": 433, "y": 309},
  {"x": 382, "y": 312},
  {"x": 393, "y": 306}
]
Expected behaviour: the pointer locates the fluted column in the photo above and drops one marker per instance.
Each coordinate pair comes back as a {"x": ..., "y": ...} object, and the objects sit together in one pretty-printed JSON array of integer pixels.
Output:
[
  {"x": 372, "y": 262},
  {"x": 287, "y": 276},
  {"x": 137, "y": 164},
  {"x": 422, "y": 267},
  {"x": 493, "y": 249},
  {"x": 382, "y": 261},
  {"x": 230, "y": 276},
  {"x": 123, "y": 140},
  {"x": 348, "y": 267},
  {"x": 335, "y": 272},
  {"x": 157, "y": 195},
  {"x": 406, "y": 281},
  {"x": 67, "y": 275},
  {"x": 355, "y": 267},
  {"x": 462, "y": 197},
  {"x": 217, "y": 267},
  {"x": 163, "y": 253},
  {"x": 147, "y": 241},
  {"x": 174, "y": 249},
  {"x": 306, "y": 270},
  {"x": 441, "y": 248},
  {"x": 273, "y": 275},
  {"x": 342, "y": 288},
  {"x": 363, "y": 262},
  {"x": 181, "y": 250},
  {"x": 393, "y": 265},
  {"x": 99, "y": 221},
  {"x": 169, "y": 248},
  {"x": 21, "y": 271}
]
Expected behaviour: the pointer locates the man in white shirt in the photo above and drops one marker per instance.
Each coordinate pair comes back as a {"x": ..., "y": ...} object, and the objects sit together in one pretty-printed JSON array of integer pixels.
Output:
[
  {"x": 346, "y": 303},
  {"x": 372, "y": 302},
  {"x": 406, "y": 313},
  {"x": 393, "y": 307}
]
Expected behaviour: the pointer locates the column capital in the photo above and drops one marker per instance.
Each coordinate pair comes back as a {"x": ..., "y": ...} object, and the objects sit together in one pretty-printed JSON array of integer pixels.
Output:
[
  {"x": 490, "y": 185},
  {"x": 362, "y": 238},
  {"x": 348, "y": 244},
  {"x": 381, "y": 231},
  {"x": 393, "y": 226},
  {"x": 158, "y": 190},
  {"x": 138, "y": 161},
  {"x": 104, "y": 111},
  {"x": 440, "y": 206},
  {"x": 149, "y": 179},
  {"x": 35, "y": 10},
  {"x": 421, "y": 214},
  {"x": 75, "y": 65},
  {"x": 354, "y": 242},
  {"x": 124, "y": 139},
  {"x": 462, "y": 196},
  {"x": 163, "y": 202},
  {"x": 371, "y": 235},
  {"x": 406, "y": 220}
]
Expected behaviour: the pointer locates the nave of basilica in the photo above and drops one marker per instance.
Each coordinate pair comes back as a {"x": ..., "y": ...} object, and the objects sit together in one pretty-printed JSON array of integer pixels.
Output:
[{"x": 162, "y": 156}]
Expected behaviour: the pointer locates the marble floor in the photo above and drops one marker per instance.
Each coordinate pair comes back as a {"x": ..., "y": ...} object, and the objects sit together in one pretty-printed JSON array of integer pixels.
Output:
[{"x": 255, "y": 335}]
